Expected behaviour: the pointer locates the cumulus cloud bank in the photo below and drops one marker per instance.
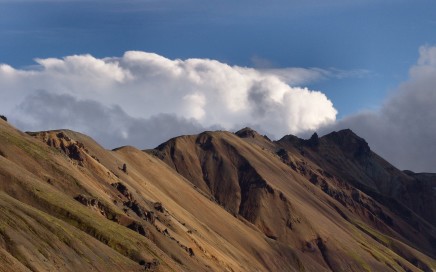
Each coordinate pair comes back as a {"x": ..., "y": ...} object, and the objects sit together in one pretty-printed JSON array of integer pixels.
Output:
[
  {"x": 144, "y": 98},
  {"x": 404, "y": 130}
]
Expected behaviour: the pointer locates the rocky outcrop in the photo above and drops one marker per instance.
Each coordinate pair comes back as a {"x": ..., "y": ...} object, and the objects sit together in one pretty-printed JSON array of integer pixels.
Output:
[
  {"x": 135, "y": 226},
  {"x": 136, "y": 208},
  {"x": 150, "y": 265},
  {"x": 97, "y": 205},
  {"x": 159, "y": 207},
  {"x": 123, "y": 190},
  {"x": 313, "y": 141},
  {"x": 133, "y": 205},
  {"x": 59, "y": 140}
]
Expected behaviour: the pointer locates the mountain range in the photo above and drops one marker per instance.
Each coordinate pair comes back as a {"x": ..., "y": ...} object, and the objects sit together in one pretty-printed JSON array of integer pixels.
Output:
[{"x": 216, "y": 201}]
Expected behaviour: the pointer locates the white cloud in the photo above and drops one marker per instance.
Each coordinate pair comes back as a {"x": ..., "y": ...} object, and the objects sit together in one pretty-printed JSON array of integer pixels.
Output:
[
  {"x": 143, "y": 85},
  {"x": 404, "y": 130}
]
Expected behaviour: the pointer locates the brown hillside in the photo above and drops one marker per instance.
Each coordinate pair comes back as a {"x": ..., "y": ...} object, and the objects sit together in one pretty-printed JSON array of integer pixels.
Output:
[{"x": 218, "y": 202}]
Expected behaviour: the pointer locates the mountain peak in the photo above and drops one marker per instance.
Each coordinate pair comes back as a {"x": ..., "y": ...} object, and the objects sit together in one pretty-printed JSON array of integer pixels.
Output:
[
  {"x": 313, "y": 141},
  {"x": 349, "y": 142},
  {"x": 247, "y": 133}
]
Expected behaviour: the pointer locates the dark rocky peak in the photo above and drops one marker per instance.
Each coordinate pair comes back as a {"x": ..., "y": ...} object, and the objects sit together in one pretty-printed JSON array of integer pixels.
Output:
[
  {"x": 247, "y": 133},
  {"x": 314, "y": 138},
  {"x": 204, "y": 140},
  {"x": 313, "y": 141},
  {"x": 3, "y": 117},
  {"x": 349, "y": 142}
]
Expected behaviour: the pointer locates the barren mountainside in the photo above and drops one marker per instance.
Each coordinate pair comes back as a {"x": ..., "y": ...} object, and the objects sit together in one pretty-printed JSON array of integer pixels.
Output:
[{"x": 217, "y": 201}]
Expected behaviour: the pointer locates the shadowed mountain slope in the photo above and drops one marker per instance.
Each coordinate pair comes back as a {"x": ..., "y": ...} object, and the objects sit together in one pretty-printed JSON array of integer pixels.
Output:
[
  {"x": 349, "y": 157},
  {"x": 209, "y": 202},
  {"x": 288, "y": 192}
]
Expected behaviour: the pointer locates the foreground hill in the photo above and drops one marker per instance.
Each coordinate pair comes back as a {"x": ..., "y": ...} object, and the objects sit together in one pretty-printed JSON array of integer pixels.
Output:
[{"x": 211, "y": 202}]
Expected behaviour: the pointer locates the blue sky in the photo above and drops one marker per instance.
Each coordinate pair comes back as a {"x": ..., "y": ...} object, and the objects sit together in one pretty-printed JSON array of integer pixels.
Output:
[
  {"x": 379, "y": 37},
  {"x": 368, "y": 65}
]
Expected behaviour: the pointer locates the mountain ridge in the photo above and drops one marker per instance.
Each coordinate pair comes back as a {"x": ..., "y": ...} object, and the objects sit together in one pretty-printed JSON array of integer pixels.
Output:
[
  {"x": 357, "y": 148},
  {"x": 207, "y": 202}
]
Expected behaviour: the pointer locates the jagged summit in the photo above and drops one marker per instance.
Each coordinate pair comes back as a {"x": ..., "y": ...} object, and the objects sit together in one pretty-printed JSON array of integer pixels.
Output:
[
  {"x": 348, "y": 141},
  {"x": 344, "y": 136}
]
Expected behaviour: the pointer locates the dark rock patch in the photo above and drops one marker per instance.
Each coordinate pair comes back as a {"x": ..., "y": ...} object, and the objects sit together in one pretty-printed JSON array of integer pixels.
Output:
[
  {"x": 159, "y": 207},
  {"x": 123, "y": 190},
  {"x": 313, "y": 141},
  {"x": 135, "y": 226},
  {"x": 150, "y": 217},
  {"x": 246, "y": 133},
  {"x": 150, "y": 266},
  {"x": 95, "y": 203},
  {"x": 136, "y": 208}
]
